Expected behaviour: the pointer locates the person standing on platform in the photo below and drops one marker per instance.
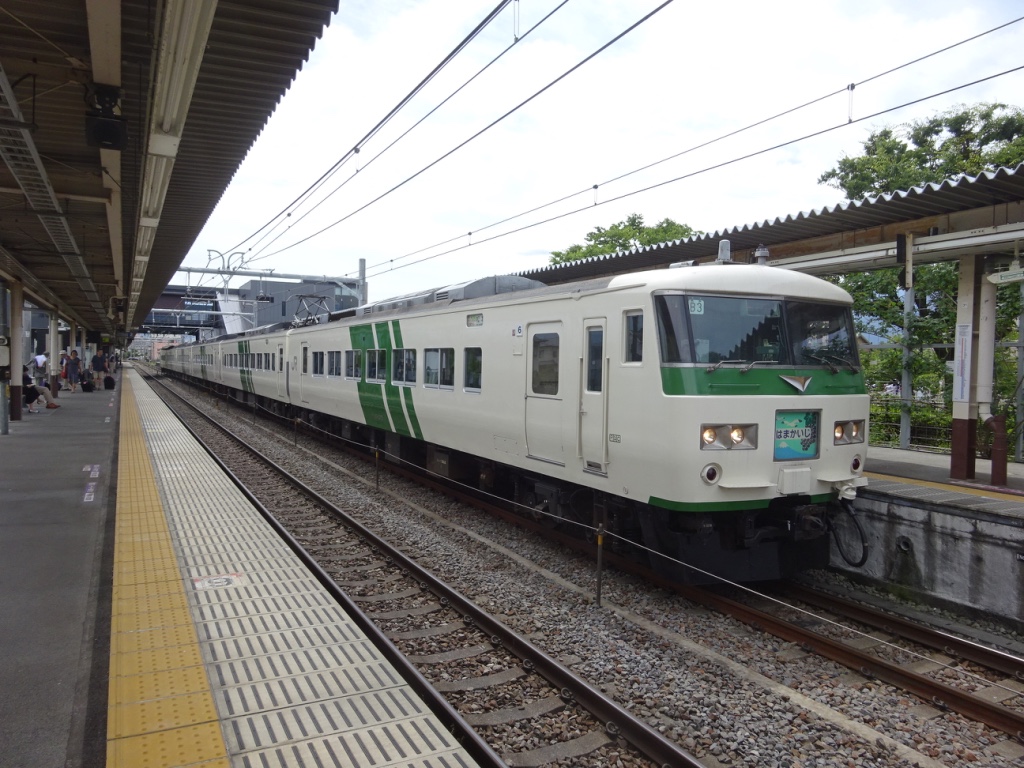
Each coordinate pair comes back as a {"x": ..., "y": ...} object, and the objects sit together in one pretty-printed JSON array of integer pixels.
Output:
[
  {"x": 99, "y": 367},
  {"x": 41, "y": 374},
  {"x": 73, "y": 366},
  {"x": 62, "y": 372}
]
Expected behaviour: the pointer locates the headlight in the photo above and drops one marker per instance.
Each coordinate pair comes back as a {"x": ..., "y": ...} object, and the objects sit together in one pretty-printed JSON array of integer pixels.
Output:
[
  {"x": 724, "y": 437},
  {"x": 847, "y": 432}
]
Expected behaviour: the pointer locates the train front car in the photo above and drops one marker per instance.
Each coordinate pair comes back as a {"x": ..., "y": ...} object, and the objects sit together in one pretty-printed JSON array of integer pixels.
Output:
[{"x": 764, "y": 429}]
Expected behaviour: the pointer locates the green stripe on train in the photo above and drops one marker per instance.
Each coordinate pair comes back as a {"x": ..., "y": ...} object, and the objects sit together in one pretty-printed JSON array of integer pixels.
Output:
[
  {"x": 392, "y": 397},
  {"x": 407, "y": 391},
  {"x": 244, "y": 372},
  {"x": 758, "y": 381},
  {"x": 725, "y": 506},
  {"x": 371, "y": 396}
]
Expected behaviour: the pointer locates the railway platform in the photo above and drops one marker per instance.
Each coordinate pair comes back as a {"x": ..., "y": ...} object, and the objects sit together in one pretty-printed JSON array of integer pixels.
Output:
[
  {"x": 149, "y": 611},
  {"x": 153, "y": 618}
]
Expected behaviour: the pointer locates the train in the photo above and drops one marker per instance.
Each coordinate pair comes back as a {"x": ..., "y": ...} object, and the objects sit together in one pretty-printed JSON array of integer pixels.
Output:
[{"x": 710, "y": 418}]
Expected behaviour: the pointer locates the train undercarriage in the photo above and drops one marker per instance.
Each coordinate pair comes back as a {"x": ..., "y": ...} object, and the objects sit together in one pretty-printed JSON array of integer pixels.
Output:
[{"x": 787, "y": 537}]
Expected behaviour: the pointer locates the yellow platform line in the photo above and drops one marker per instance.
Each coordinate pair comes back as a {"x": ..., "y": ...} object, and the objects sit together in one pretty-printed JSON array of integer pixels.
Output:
[
  {"x": 160, "y": 711},
  {"x": 952, "y": 487}
]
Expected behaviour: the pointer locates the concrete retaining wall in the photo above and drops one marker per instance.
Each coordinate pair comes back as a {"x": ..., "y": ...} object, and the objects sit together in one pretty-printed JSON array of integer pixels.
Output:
[{"x": 939, "y": 554}]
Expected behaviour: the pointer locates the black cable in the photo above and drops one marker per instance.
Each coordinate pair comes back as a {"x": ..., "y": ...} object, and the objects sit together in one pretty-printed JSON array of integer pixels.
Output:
[
  {"x": 705, "y": 170},
  {"x": 387, "y": 118},
  {"x": 481, "y": 131},
  {"x": 417, "y": 123},
  {"x": 693, "y": 148}
]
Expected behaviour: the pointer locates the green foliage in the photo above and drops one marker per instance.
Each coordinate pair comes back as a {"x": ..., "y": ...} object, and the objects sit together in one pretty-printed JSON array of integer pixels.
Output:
[
  {"x": 622, "y": 236},
  {"x": 962, "y": 141}
]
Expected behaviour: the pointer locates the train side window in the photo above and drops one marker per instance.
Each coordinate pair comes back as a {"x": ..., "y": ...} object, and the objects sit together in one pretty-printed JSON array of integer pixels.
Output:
[
  {"x": 473, "y": 377},
  {"x": 377, "y": 366},
  {"x": 354, "y": 364},
  {"x": 545, "y": 364},
  {"x": 447, "y": 368},
  {"x": 595, "y": 359},
  {"x": 633, "y": 349},
  {"x": 334, "y": 363},
  {"x": 305, "y": 359},
  {"x": 318, "y": 363},
  {"x": 439, "y": 368},
  {"x": 431, "y": 367},
  {"x": 404, "y": 369}
]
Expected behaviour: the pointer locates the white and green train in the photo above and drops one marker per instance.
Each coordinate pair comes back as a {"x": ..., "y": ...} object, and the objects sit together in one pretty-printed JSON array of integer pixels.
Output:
[{"x": 713, "y": 414}]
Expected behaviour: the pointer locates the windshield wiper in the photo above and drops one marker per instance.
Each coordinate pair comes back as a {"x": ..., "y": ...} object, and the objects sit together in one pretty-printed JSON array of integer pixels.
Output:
[
  {"x": 844, "y": 361},
  {"x": 824, "y": 361},
  {"x": 720, "y": 363},
  {"x": 758, "y": 362}
]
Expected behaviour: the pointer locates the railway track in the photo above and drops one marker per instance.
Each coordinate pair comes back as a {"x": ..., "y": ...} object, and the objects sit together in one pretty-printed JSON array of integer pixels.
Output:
[
  {"x": 800, "y": 633},
  {"x": 910, "y": 670},
  {"x": 500, "y": 693}
]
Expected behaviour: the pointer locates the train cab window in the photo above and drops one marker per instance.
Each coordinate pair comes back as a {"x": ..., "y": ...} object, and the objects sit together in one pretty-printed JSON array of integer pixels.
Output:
[
  {"x": 334, "y": 363},
  {"x": 595, "y": 359},
  {"x": 474, "y": 366},
  {"x": 545, "y": 364},
  {"x": 354, "y": 364},
  {"x": 673, "y": 333},
  {"x": 377, "y": 365},
  {"x": 439, "y": 368},
  {"x": 318, "y": 363},
  {"x": 404, "y": 367},
  {"x": 633, "y": 348}
]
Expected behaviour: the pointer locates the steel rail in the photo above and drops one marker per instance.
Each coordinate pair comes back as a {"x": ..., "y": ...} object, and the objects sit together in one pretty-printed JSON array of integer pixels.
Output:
[
  {"x": 940, "y": 640},
  {"x": 941, "y": 696},
  {"x": 467, "y": 736},
  {"x": 618, "y": 721}
]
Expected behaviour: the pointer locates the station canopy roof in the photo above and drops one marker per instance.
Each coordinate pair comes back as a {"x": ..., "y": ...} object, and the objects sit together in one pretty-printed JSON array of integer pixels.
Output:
[
  {"x": 122, "y": 122},
  {"x": 873, "y": 219}
]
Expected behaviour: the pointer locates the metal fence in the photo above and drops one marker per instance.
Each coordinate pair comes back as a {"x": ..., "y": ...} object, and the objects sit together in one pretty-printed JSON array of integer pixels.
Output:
[{"x": 931, "y": 425}]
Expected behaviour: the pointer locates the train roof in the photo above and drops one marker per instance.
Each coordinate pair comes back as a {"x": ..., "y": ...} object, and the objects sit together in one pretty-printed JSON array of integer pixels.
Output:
[
  {"x": 722, "y": 277},
  {"x": 735, "y": 277}
]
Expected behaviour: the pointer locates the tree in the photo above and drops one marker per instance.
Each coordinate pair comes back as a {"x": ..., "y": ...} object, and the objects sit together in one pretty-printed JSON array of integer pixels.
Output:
[
  {"x": 959, "y": 142},
  {"x": 622, "y": 236},
  {"x": 964, "y": 141}
]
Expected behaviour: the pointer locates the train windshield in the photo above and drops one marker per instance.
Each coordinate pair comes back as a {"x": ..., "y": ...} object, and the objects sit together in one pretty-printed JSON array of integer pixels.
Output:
[{"x": 763, "y": 331}]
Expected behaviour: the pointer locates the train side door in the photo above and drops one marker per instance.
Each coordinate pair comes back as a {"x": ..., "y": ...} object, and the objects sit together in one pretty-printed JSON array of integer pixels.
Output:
[
  {"x": 281, "y": 373},
  {"x": 592, "y": 427},
  {"x": 544, "y": 392},
  {"x": 303, "y": 370}
]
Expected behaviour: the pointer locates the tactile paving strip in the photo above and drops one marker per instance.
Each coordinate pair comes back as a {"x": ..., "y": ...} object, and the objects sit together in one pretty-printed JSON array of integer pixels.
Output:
[{"x": 293, "y": 679}]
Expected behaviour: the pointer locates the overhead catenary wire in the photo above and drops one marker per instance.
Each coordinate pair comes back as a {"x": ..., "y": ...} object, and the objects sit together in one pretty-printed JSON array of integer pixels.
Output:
[
  {"x": 483, "y": 130},
  {"x": 706, "y": 169},
  {"x": 415, "y": 125},
  {"x": 387, "y": 118},
  {"x": 676, "y": 155},
  {"x": 390, "y": 263}
]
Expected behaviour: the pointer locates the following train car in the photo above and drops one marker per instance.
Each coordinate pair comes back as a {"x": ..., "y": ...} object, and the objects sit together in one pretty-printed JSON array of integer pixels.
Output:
[{"x": 715, "y": 415}]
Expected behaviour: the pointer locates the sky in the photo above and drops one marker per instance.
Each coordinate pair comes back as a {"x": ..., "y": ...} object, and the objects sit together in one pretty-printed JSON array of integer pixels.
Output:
[{"x": 690, "y": 74}]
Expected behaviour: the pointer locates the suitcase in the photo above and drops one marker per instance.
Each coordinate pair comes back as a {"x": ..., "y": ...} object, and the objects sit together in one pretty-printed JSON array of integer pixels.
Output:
[
  {"x": 108, "y": 382},
  {"x": 88, "y": 386}
]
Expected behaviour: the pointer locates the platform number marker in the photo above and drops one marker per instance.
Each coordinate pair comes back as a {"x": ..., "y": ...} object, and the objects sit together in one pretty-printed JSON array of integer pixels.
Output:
[{"x": 218, "y": 581}]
